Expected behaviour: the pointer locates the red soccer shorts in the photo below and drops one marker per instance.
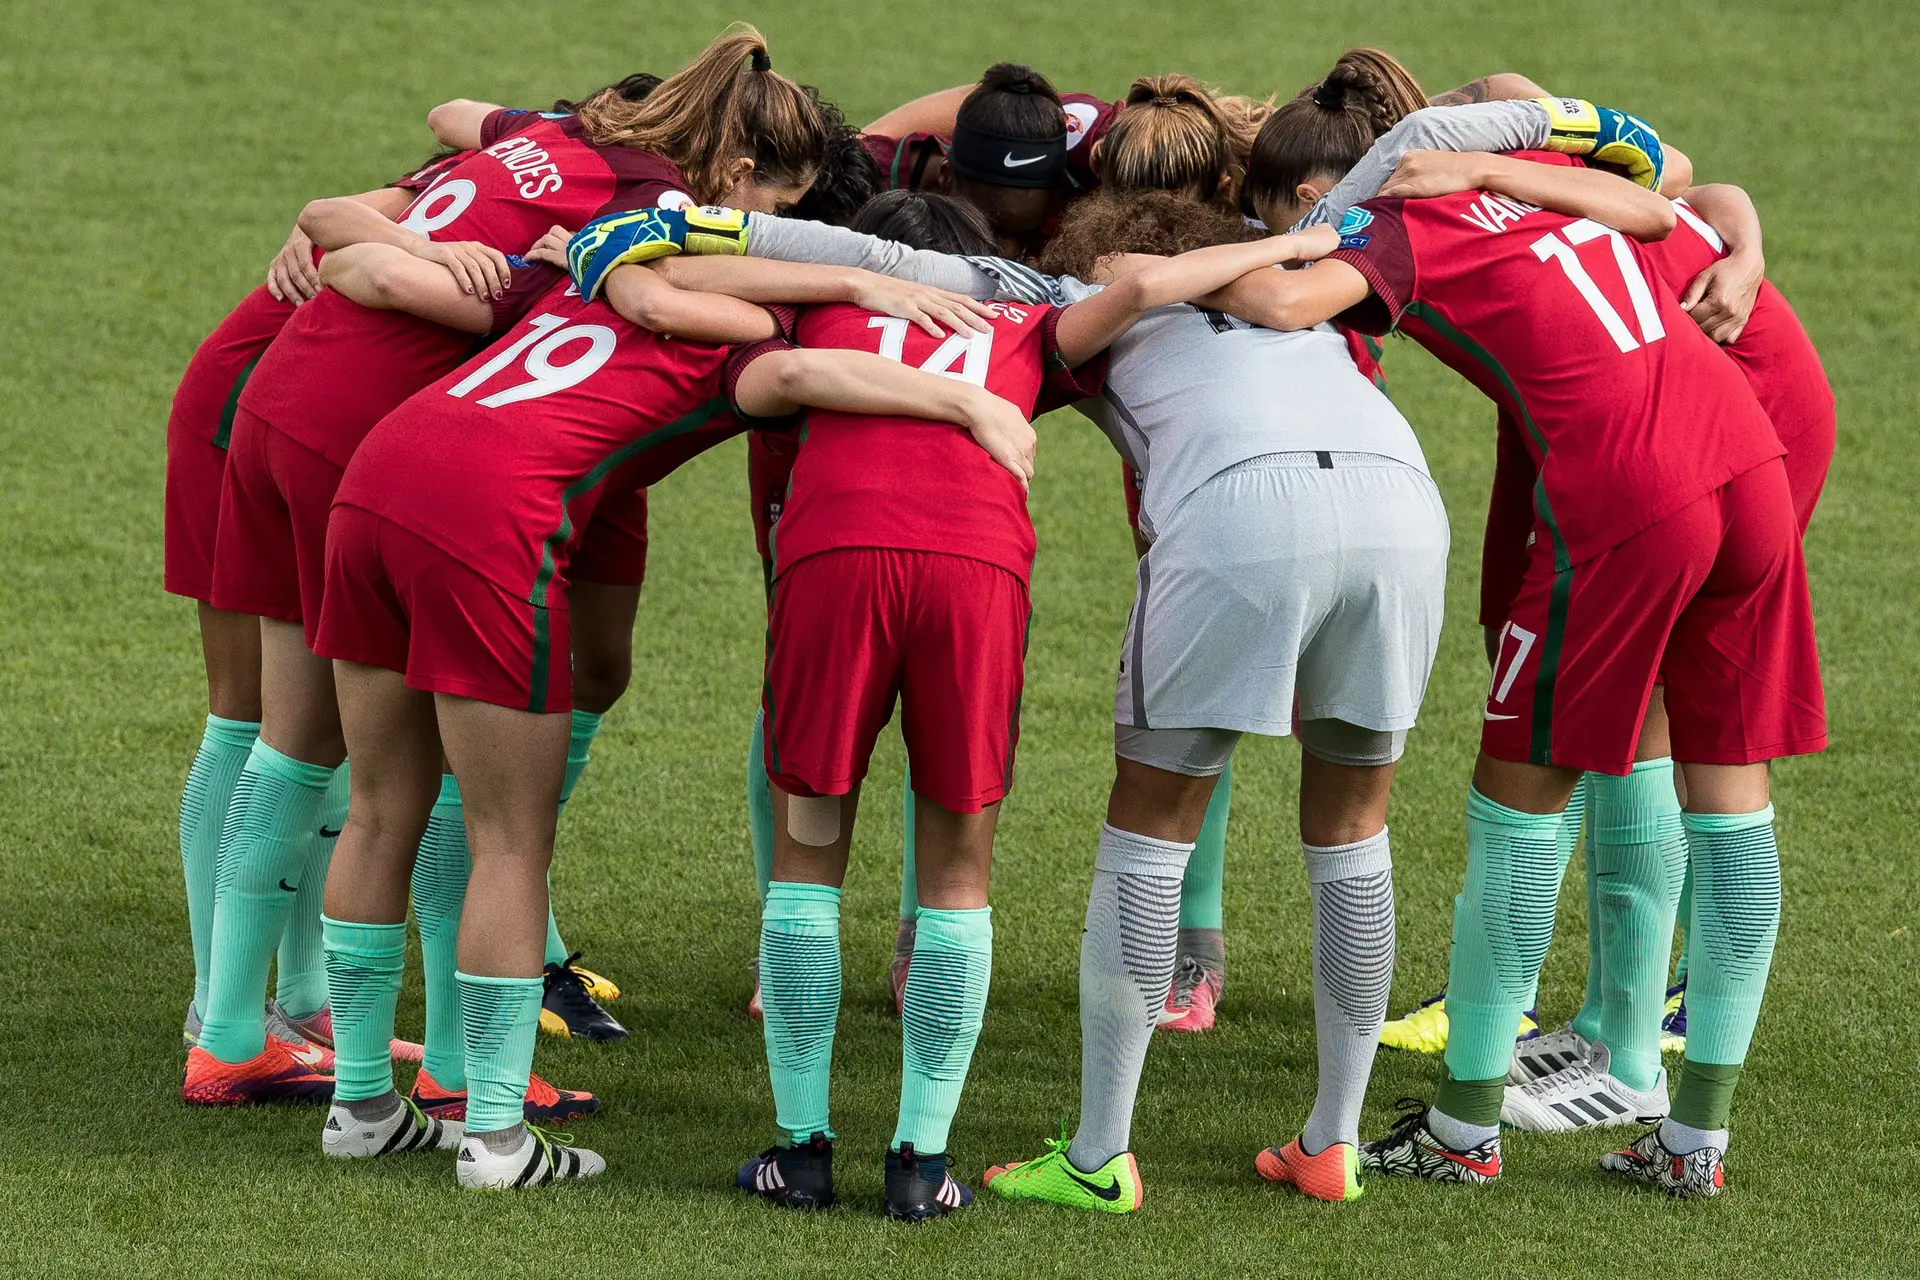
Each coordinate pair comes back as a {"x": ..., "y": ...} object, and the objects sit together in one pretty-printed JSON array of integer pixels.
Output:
[
  {"x": 270, "y": 559},
  {"x": 197, "y": 431},
  {"x": 852, "y": 629},
  {"x": 395, "y": 600},
  {"x": 612, "y": 549},
  {"x": 1714, "y": 597}
]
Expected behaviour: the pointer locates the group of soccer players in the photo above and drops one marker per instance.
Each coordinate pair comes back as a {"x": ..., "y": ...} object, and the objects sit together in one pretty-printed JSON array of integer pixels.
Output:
[{"x": 407, "y": 484}]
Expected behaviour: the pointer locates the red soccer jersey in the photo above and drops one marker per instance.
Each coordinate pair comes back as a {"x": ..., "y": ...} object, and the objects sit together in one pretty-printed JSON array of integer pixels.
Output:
[
  {"x": 1088, "y": 119},
  {"x": 338, "y": 367},
  {"x": 502, "y": 461},
  {"x": 1629, "y": 411},
  {"x": 915, "y": 485},
  {"x": 1773, "y": 350}
]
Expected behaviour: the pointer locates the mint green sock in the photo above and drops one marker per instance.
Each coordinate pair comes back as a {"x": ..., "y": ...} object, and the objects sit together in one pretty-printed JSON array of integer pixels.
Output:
[
  {"x": 440, "y": 874},
  {"x": 909, "y": 878},
  {"x": 211, "y": 777},
  {"x": 800, "y": 990},
  {"x": 263, "y": 851},
  {"x": 1502, "y": 926},
  {"x": 586, "y": 724},
  {"x": 1736, "y": 916},
  {"x": 1206, "y": 869},
  {"x": 500, "y": 1016},
  {"x": 1638, "y": 849},
  {"x": 946, "y": 999},
  {"x": 363, "y": 979},
  {"x": 300, "y": 972},
  {"x": 1586, "y": 1022},
  {"x": 760, "y": 806},
  {"x": 1683, "y": 918}
]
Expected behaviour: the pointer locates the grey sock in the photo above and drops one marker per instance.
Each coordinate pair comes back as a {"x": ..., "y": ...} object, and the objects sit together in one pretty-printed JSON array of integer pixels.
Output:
[
  {"x": 370, "y": 1109},
  {"x": 1126, "y": 966},
  {"x": 1208, "y": 946},
  {"x": 1458, "y": 1135},
  {"x": 1684, "y": 1139},
  {"x": 503, "y": 1141},
  {"x": 1352, "y": 888}
]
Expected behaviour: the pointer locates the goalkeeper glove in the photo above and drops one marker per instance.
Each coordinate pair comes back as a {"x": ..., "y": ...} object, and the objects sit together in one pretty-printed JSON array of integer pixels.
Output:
[
  {"x": 1579, "y": 128},
  {"x": 646, "y": 234}
]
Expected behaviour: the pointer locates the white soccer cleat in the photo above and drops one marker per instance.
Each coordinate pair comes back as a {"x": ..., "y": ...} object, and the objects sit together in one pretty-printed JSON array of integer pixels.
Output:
[
  {"x": 1583, "y": 1096},
  {"x": 539, "y": 1159},
  {"x": 406, "y": 1129},
  {"x": 1547, "y": 1053}
]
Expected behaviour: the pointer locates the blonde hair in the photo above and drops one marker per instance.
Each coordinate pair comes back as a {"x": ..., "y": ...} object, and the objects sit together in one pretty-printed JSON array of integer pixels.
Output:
[
  {"x": 1178, "y": 135},
  {"x": 726, "y": 104}
]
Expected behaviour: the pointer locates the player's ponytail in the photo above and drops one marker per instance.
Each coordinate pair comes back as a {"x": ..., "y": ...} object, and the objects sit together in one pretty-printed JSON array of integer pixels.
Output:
[
  {"x": 1178, "y": 135},
  {"x": 725, "y": 105},
  {"x": 1325, "y": 130}
]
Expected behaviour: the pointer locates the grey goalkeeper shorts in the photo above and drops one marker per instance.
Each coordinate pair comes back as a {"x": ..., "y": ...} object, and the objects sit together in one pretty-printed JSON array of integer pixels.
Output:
[{"x": 1316, "y": 577}]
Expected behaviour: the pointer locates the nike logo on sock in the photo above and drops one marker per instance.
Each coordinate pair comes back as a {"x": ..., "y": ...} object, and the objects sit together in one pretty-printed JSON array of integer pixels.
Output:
[
  {"x": 290, "y": 888},
  {"x": 328, "y": 833},
  {"x": 1109, "y": 1192}
]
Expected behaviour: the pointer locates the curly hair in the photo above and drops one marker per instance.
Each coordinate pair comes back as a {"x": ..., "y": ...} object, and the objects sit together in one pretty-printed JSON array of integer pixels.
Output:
[{"x": 1157, "y": 222}]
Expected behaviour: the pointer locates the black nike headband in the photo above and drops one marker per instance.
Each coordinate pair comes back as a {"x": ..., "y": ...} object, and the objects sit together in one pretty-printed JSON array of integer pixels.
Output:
[{"x": 1008, "y": 162}]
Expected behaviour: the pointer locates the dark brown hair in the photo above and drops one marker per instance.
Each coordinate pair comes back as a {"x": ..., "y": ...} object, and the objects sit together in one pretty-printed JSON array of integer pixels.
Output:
[
  {"x": 1330, "y": 124},
  {"x": 1159, "y": 222},
  {"x": 926, "y": 220},
  {"x": 726, "y": 104},
  {"x": 1012, "y": 101},
  {"x": 633, "y": 88}
]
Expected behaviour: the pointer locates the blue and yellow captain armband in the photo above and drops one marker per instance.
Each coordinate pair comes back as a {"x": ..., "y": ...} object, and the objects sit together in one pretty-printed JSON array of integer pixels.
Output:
[{"x": 1626, "y": 142}]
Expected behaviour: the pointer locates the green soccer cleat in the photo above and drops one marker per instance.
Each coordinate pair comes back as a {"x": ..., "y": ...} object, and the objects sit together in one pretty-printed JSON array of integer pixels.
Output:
[{"x": 1112, "y": 1188}]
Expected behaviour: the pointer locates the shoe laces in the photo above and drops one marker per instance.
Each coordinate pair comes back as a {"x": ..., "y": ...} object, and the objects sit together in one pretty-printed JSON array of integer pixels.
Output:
[
  {"x": 1578, "y": 1078},
  {"x": 1188, "y": 974},
  {"x": 1412, "y": 1117}
]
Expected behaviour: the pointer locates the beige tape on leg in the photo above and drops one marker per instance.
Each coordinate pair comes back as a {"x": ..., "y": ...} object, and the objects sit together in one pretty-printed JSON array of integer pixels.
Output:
[{"x": 814, "y": 820}]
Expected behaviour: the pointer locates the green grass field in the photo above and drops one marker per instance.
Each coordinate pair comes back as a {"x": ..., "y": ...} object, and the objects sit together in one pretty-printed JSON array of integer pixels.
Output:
[{"x": 159, "y": 153}]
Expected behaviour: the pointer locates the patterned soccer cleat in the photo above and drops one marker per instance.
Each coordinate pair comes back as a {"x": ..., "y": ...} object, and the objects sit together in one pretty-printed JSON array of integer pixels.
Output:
[
  {"x": 318, "y": 1027},
  {"x": 544, "y": 1103},
  {"x": 920, "y": 1189},
  {"x": 1192, "y": 998},
  {"x": 310, "y": 1050},
  {"x": 1333, "y": 1175},
  {"x": 1112, "y": 1188},
  {"x": 1695, "y": 1176},
  {"x": 1673, "y": 1021},
  {"x": 1411, "y": 1151},
  {"x": 406, "y": 1129},
  {"x": 795, "y": 1177},
  {"x": 568, "y": 1008},
  {"x": 539, "y": 1159},
  {"x": 1583, "y": 1096},
  {"x": 903, "y": 937},
  {"x": 1546, "y": 1053},
  {"x": 281, "y": 1073}
]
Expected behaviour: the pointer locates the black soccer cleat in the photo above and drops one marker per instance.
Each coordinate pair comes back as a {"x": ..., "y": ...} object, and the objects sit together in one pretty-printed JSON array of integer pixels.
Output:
[
  {"x": 795, "y": 1177},
  {"x": 568, "y": 1008},
  {"x": 919, "y": 1188}
]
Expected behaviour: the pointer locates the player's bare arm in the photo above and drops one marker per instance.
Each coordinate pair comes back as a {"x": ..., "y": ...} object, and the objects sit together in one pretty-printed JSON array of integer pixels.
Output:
[
  {"x": 1087, "y": 328},
  {"x": 1606, "y": 198},
  {"x": 932, "y": 113},
  {"x": 1494, "y": 88},
  {"x": 1288, "y": 300},
  {"x": 1721, "y": 298},
  {"x": 292, "y": 275},
  {"x": 782, "y": 382},
  {"x": 937, "y": 311},
  {"x": 339, "y": 221},
  {"x": 650, "y": 301},
  {"x": 457, "y": 123},
  {"x": 385, "y": 278}
]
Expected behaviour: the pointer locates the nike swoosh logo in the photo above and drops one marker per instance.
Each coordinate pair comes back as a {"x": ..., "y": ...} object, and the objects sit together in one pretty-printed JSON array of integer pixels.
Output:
[
  {"x": 1488, "y": 715},
  {"x": 328, "y": 833},
  {"x": 1490, "y": 1168},
  {"x": 307, "y": 1057},
  {"x": 290, "y": 888},
  {"x": 1109, "y": 1192},
  {"x": 1011, "y": 163}
]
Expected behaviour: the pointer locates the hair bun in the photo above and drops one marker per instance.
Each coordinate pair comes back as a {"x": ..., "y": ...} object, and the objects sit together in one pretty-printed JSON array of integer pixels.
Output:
[{"x": 1329, "y": 96}]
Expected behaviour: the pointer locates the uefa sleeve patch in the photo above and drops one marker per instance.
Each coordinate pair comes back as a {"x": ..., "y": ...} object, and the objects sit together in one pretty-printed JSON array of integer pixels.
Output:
[{"x": 1355, "y": 219}]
